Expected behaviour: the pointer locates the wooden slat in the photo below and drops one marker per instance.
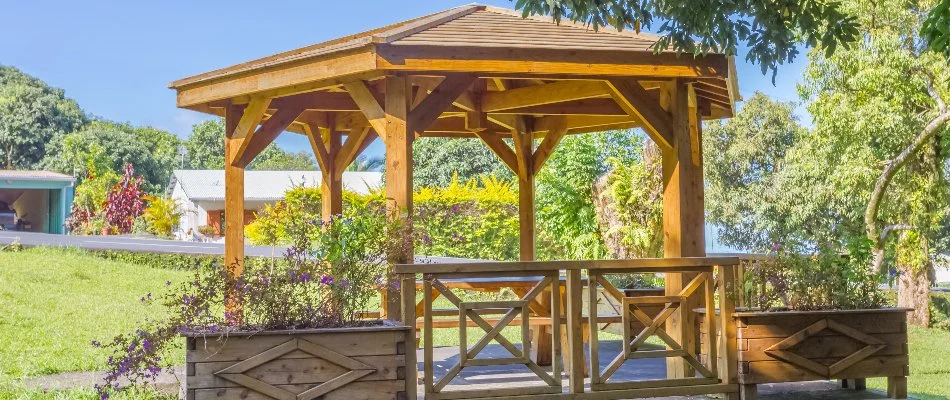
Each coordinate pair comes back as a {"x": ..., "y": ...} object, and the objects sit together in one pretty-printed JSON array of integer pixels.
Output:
[
  {"x": 548, "y": 144},
  {"x": 780, "y": 371},
  {"x": 574, "y": 333},
  {"x": 351, "y": 344},
  {"x": 307, "y": 370},
  {"x": 355, "y": 390}
]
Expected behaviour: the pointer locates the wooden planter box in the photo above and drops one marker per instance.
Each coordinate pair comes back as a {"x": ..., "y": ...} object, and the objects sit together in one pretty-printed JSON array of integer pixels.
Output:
[
  {"x": 345, "y": 363},
  {"x": 793, "y": 346}
]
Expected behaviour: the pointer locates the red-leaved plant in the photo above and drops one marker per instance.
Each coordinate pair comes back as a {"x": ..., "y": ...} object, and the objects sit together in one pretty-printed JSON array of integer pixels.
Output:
[{"x": 125, "y": 201}]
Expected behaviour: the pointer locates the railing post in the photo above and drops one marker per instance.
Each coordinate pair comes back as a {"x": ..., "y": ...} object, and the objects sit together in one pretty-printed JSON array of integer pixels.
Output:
[
  {"x": 728, "y": 351},
  {"x": 575, "y": 338},
  {"x": 407, "y": 287}
]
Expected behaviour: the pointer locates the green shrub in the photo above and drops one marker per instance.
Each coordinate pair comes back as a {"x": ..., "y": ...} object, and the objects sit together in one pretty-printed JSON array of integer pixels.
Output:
[{"x": 823, "y": 279}]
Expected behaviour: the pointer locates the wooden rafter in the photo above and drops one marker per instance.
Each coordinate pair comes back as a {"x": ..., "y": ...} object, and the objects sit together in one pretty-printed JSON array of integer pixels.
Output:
[
  {"x": 500, "y": 148},
  {"x": 252, "y": 116}
]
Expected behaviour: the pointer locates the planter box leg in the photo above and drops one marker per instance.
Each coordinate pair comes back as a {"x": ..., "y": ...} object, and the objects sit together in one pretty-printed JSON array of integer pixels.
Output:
[
  {"x": 854, "y": 384},
  {"x": 897, "y": 387},
  {"x": 748, "y": 392}
]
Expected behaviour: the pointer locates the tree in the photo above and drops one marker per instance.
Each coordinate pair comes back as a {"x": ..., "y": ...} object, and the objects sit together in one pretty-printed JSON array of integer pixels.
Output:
[
  {"x": 936, "y": 28},
  {"x": 881, "y": 138},
  {"x": 205, "y": 145},
  {"x": 435, "y": 160},
  {"x": 565, "y": 192},
  {"x": 31, "y": 115},
  {"x": 110, "y": 146},
  {"x": 743, "y": 156},
  {"x": 771, "y": 30},
  {"x": 274, "y": 158}
]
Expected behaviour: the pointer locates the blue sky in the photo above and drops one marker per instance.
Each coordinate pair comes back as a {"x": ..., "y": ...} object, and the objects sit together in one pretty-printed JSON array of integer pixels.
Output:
[{"x": 116, "y": 58}]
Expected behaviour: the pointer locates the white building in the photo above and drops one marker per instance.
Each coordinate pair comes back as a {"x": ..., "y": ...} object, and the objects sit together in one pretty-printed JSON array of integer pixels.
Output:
[{"x": 200, "y": 193}]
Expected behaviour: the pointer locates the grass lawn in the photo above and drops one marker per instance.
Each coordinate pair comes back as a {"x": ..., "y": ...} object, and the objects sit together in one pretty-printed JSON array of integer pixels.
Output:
[{"x": 54, "y": 302}]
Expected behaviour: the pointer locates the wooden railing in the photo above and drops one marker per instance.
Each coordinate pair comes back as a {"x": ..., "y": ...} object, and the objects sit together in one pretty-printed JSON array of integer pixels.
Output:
[{"x": 556, "y": 297}]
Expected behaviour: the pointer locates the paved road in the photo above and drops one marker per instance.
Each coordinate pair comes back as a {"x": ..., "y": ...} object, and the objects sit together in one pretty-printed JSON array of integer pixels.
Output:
[
  {"x": 139, "y": 244},
  {"x": 127, "y": 243}
]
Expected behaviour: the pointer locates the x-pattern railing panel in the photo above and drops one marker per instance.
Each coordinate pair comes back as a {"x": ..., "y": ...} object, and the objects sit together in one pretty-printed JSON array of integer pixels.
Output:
[
  {"x": 469, "y": 310},
  {"x": 632, "y": 309}
]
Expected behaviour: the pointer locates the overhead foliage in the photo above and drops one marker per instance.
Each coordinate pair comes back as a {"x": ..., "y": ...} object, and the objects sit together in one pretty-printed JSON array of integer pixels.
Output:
[
  {"x": 31, "y": 115},
  {"x": 936, "y": 28},
  {"x": 771, "y": 30}
]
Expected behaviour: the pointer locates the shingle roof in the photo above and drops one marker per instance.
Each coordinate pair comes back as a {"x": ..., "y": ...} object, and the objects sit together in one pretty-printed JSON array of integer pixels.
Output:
[
  {"x": 266, "y": 185},
  {"x": 469, "y": 25},
  {"x": 34, "y": 176}
]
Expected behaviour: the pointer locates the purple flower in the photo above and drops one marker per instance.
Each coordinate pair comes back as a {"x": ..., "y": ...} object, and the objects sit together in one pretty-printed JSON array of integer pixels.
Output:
[
  {"x": 146, "y": 345},
  {"x": 344, "y": 283},
  {"x": 168, "y": 283},
  {"x": 776, "y": 246},
  {"x": 305, "y": 277},
  {"x": 103, "y": 396},
  {"x": 426, "y": 239},
  {"x": 326, "y": 280}
]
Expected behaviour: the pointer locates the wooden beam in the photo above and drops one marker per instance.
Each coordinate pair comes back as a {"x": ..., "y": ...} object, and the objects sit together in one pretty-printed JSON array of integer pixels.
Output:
[
  {"x": 251, "y": 117},
  {"x": 555, "y": 133},
  {"x": 367, "y": 102},
  {"x": 319, "y": 147},
  {"x": 523, "y": 140},
  {"x": 543, "y": 94},
  {"x": 318, "y": 101},
  {"x": 593, "y": 106},
  {"x": 265, "y": 135},
  {"x": 351, "y": 149},
  {"x": 500, "y": 148},
  {"x": 317, "y": 73},
  {"x": 540, "y": 61},
  {"x": 637, "y": 103},
  {"x": 438, "y": 100}
]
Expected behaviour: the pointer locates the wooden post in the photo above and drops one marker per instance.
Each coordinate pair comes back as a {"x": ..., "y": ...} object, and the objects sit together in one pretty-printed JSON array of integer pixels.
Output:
[
  {"x": 398, "y": 139},
  {"x": 332, "y": 184},
  {"x": 575, "y": 335},
  {"x": 683, "y": 218},
  {"x": 408, "y": 288},
  {"x": 524, "y": 150},
  {"x": 728, "y": 343},
  {"x": 233, "y": 206}
]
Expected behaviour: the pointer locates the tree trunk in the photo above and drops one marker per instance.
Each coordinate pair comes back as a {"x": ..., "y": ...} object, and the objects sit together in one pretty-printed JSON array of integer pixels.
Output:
[{"x": 913, "y": 291}]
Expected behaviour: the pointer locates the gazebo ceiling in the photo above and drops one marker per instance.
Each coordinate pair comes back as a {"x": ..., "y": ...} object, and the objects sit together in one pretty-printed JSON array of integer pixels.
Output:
[{"x": 553, "y": 74}]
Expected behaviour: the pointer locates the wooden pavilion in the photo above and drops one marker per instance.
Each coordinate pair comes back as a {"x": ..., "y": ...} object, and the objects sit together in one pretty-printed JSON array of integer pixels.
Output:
[{"x": 471, "y": 72}]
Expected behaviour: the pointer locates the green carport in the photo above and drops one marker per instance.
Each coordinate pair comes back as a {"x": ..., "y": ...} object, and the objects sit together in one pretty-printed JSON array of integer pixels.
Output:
[{"x": 41, "y": 200}]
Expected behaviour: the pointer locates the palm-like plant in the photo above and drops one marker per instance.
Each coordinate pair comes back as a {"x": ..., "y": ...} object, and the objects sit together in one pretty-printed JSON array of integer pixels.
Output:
[{"x": 363, "y": 164}]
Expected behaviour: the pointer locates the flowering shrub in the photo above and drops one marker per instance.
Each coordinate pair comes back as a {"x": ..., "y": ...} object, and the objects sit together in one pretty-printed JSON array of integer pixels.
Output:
[
  {"x": 125, "y": 201},
  {"x": 328, "y": 275},
  {"x": 822, "y": 280}
]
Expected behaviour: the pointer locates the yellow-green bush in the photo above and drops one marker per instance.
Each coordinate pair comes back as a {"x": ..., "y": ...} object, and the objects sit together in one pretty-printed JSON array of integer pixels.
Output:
[{"x": 475, "y": 219}]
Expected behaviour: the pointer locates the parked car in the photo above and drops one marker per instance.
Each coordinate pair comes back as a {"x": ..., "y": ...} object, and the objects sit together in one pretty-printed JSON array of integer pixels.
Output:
[{"x": 8, "y": 217}]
